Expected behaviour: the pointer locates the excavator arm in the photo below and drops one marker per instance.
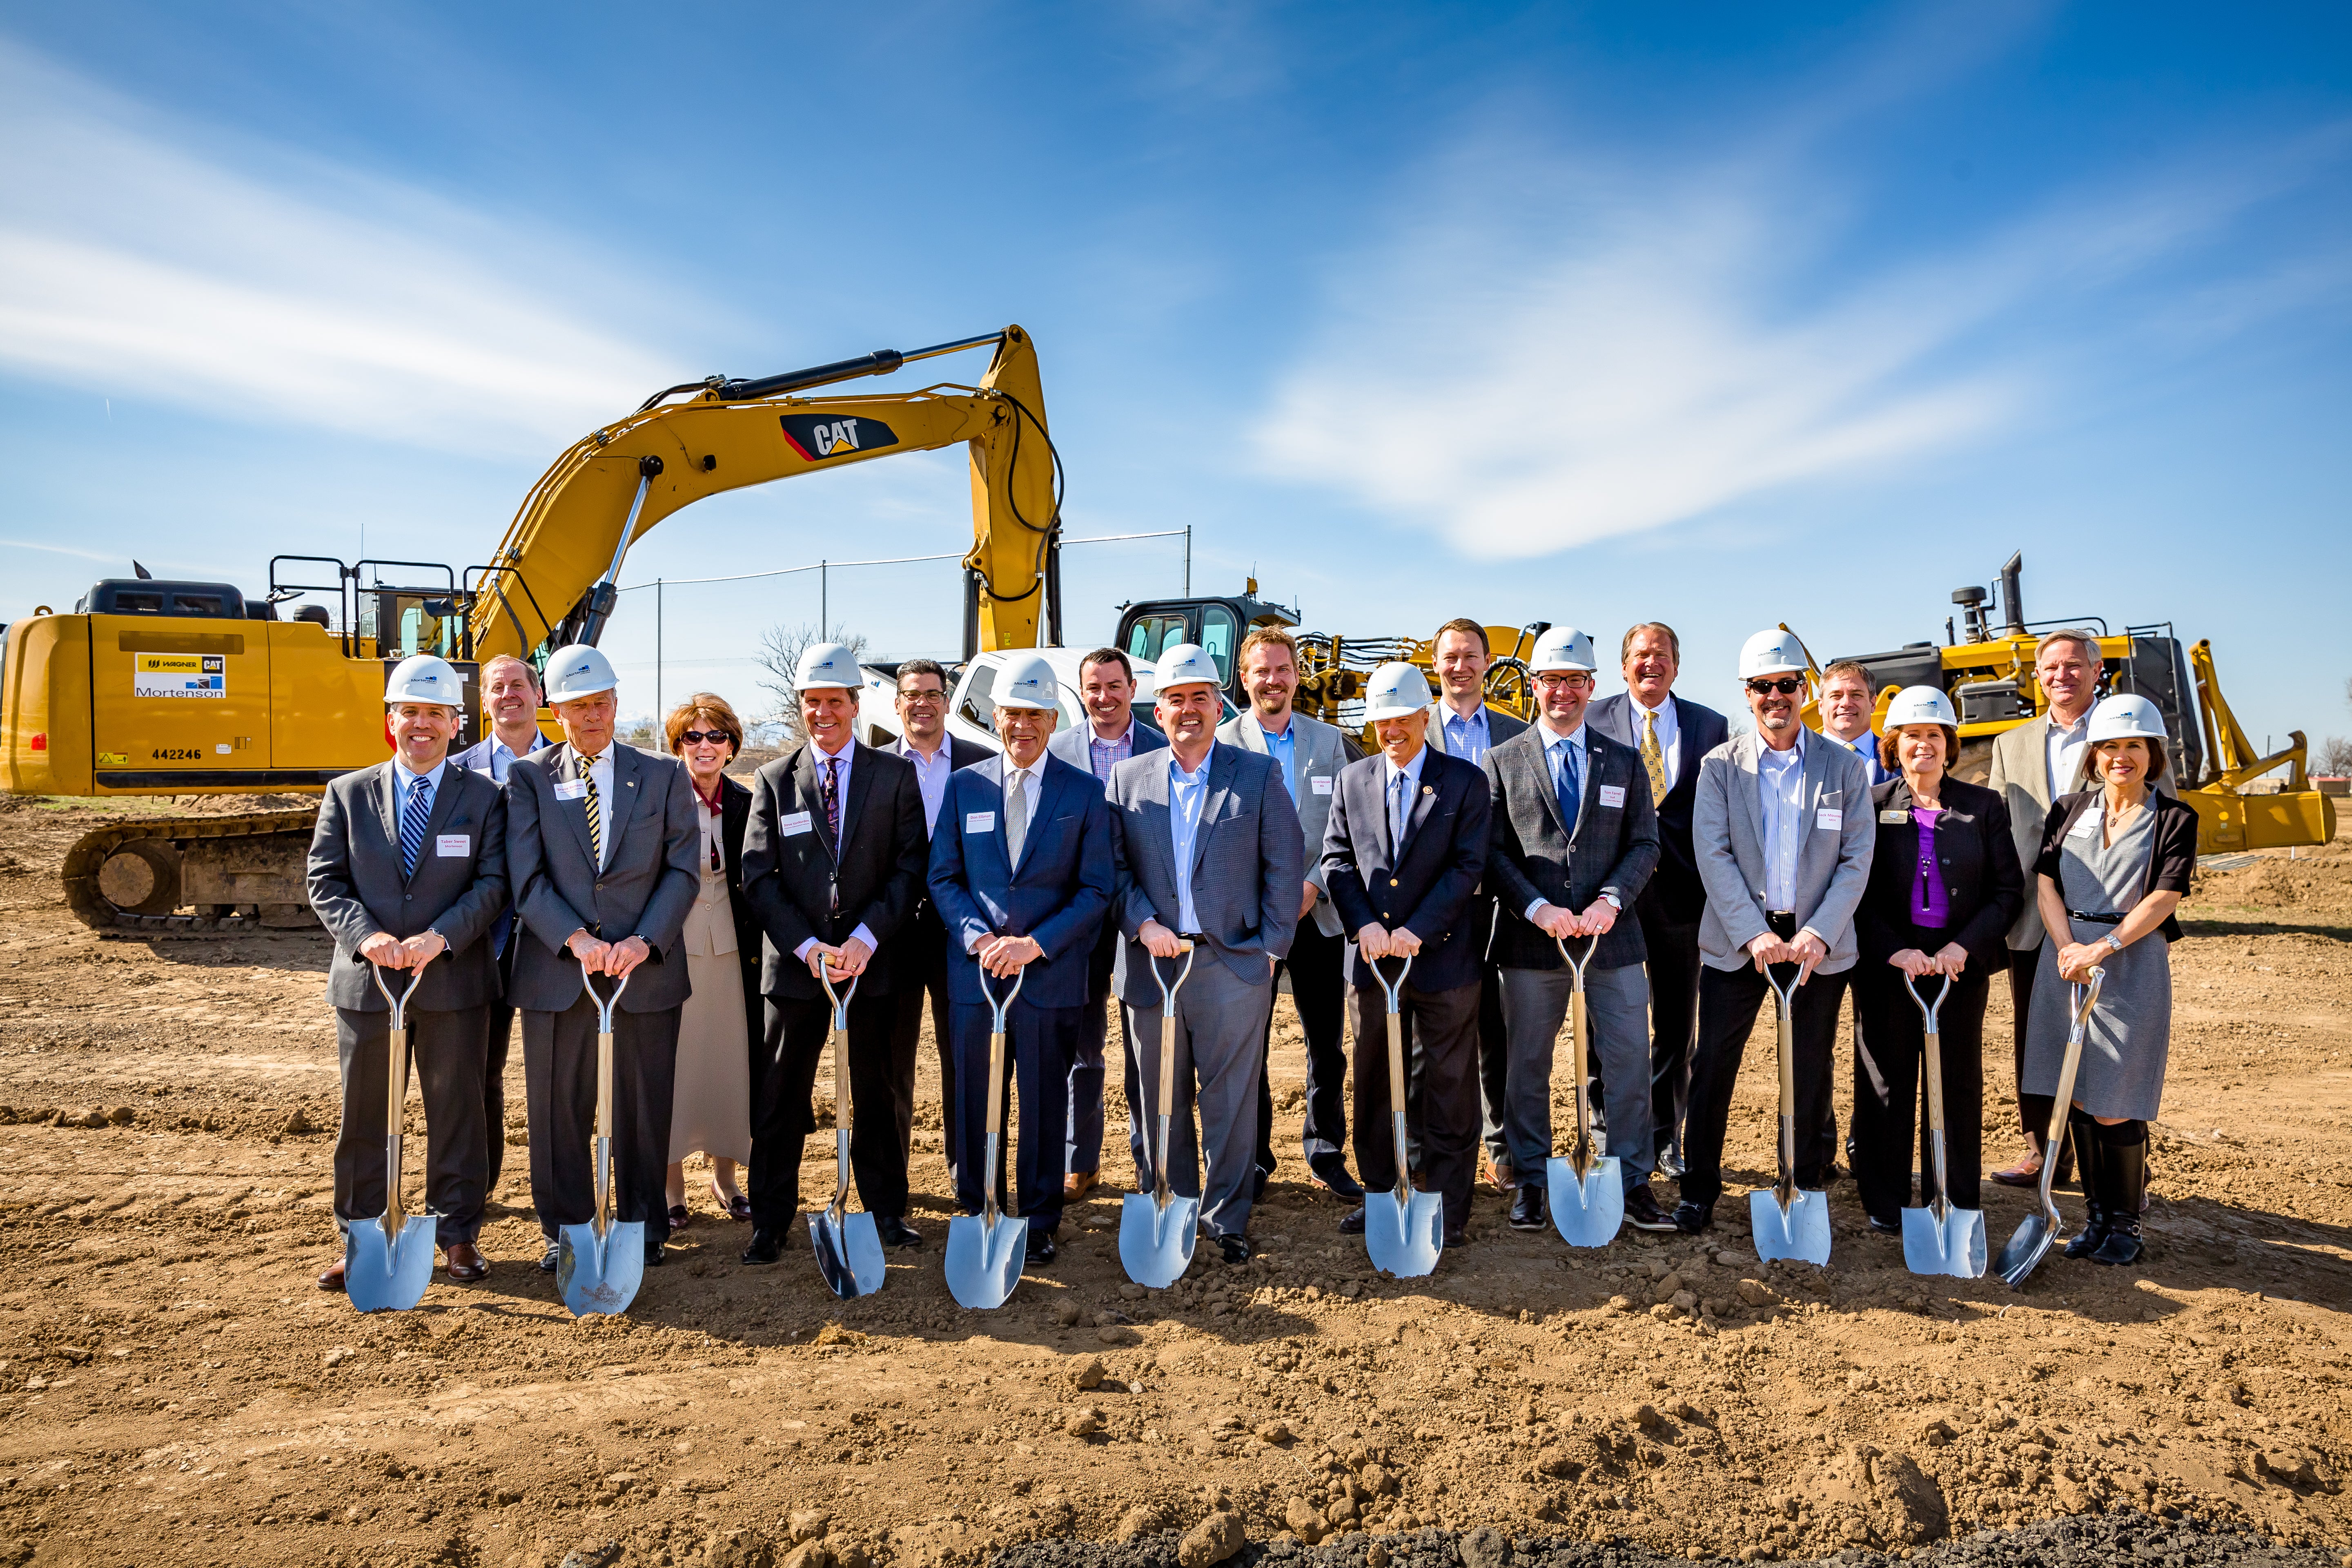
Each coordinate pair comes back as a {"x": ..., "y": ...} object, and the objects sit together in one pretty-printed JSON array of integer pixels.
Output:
[{"x": 554, "y": 579}]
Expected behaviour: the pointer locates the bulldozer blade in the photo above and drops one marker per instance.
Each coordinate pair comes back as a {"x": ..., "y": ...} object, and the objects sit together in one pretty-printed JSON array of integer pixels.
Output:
[
  {"x": 600, "y": 1274},
  {"x": 1587, "y": 1211},
  {"x": 1798, "y": 1231},
  {"x": 1155, "y": 1242},
  {"x": 985, "y": 1256},
  {"x": 387, "y": 1271},
  {"x": 1953, "y": 1244},
  {"x": 848, "y": 1252},
  {"x": 1404, "y": 1239}
]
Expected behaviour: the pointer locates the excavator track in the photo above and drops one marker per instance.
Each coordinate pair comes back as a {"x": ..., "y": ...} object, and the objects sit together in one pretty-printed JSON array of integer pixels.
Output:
[{"x": 195, "y": 876}]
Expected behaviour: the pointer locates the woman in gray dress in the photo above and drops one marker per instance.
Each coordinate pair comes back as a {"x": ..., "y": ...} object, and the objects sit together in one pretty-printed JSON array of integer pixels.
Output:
[{"x": 2115, "y": 861}]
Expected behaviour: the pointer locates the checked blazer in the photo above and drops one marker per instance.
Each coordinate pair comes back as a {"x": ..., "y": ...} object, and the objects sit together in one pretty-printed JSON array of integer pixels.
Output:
[{"x": 1613, "y": 846}]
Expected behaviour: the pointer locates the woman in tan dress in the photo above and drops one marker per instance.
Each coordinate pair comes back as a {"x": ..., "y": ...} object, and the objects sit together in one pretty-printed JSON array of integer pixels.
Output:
[{"x": 711, "y": 1109}]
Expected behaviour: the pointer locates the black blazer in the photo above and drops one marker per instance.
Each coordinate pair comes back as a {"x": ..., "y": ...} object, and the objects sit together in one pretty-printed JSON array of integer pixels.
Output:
[
  {"x": 1675, "y": 890},
  {"x": 1429, "y": 889},
  {"x": 734, "y": 816},
  {"x": 1531, "y": 856},
  {"x": 1977, "y": 857},
  {"x": 2169, "y": 870},
  {"x": 799, "y": 891}
]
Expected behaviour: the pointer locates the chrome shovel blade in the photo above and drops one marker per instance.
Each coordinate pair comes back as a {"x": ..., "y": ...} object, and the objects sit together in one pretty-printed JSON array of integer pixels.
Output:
[
  {"x": 2027, "y": 1249},
  {"x": 600, "y": 1274},
  {"x": 848, "y": 1252},
  {"x": 1155, "y": 1243},
  {"x": 1404, "y": 1239},
  {"x": 1802, "y": 1231},
  {"x": 383, "y": 1272},
  {"x": 1586, "y": 1213},
  {"x": 1954, "y": 1245},
  {"x": 984, "y": 1258}
]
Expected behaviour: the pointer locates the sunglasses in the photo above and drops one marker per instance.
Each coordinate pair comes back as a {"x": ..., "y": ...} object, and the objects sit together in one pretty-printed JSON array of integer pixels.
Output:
[
  {"x": 1787, "y": 685},
  {"x": 696, "y": 737}
]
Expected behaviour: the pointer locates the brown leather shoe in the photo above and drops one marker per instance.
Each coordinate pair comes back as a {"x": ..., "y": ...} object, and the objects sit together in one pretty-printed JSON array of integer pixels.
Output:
[
  {"x": 466, "y": 1262},
  {"x": 1500, "y": 1175},
  {"x": 332, "y": 1280},
  {"x": 1078, "y": 1184}
]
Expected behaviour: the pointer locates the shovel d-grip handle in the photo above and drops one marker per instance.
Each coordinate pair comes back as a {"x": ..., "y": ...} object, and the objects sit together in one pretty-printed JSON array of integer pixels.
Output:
[{"x": 1168, "y": 1062}]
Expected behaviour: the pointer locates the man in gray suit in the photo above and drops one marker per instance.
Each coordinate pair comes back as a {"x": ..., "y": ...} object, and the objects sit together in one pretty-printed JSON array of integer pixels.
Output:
[
  {"x": 1110, "y": 735},
  {"x": 1310, "y": 754},
  {"x": 1464, "y": 727},
  {"x": 1208, "y": 848},
  {"x": 1575, "y": 840},
  {"x": 1783, "y": 828},
  {"x": 407, "y": 863},
  {"x": 601, "y": 846}
]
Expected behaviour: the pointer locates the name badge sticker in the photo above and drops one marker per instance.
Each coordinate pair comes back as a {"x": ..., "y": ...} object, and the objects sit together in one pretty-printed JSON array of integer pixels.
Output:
[
  {"x": 1612, "y": 795},
  {"x": 1894, "y": 818},
  {"x": 453, "y": 844},
  {"x": 792, "y": 825},
  {"x": 979, "y": 821},
  {"x": 2087, "y": 828},
  {"x": 1320, "y": 784},
  {"x": 1830, "y": 819},
  {"x": 572, "y": 789}
]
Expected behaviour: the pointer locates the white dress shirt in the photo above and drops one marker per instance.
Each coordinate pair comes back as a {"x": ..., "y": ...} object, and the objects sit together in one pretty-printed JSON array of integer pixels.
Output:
[
  {"x": 1556, "y": 749},
  {"x": 1780, "y": 784},
  {"x": 2063, "y": 751},
  {"x": 1187, "y": 795},
  {"x": 1670, "y": 735},
  {"x": 930, "y": 777}
]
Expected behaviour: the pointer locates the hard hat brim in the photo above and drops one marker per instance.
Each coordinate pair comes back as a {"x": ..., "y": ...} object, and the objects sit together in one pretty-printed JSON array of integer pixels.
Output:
[
  {"x": 1375, "y": 715},
  {"x": 1026, "y": 705},
  {"x": 1562, "y": 667}
]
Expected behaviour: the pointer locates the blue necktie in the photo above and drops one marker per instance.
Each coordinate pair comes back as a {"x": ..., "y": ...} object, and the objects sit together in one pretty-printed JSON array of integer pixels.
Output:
[
  {"x": 1396, "y": 813},
  {"x": 412, "y": 824},
  {"x": 1571, "y": 787}
]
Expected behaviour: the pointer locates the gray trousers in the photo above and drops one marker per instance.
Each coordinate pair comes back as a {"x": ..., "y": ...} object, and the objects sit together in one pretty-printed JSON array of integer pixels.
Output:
[
  {"x": 1219, "y": 1041},
  {"x": 446, "y": 1052},
  {"x": 1617, "y": 1033}
]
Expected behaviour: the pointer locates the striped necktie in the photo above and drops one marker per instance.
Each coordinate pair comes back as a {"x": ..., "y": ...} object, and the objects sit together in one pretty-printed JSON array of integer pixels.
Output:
[
  {"x": 413, "y": 817},
  {"x": 1653, "y": 761},
  {"x": 595, "y": 816},
  {"x": 832, "y": 802}
]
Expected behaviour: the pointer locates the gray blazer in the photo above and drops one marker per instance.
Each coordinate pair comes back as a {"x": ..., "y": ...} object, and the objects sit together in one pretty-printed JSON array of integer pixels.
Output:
[
  {"x": 1533, "y": 854},
  {"x": 1320, "y": 751},
  {"x": 648, "y": 884},
  {"x": 2021, "y": 777},
  {"x": 1249, "y": 865},
  {"x": 1832, "y": 868},
  {"x": 358, "y": 889}
]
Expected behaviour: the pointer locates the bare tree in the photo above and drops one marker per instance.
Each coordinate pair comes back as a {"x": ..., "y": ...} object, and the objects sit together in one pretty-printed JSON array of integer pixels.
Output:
[
  {"x": 780, "y": 647},
  {"x": 2335, "y": 757}
]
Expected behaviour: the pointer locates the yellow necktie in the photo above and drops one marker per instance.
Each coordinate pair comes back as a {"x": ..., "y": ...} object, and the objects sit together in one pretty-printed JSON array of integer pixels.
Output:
[
  {"x": 595, "y": 820},
  {"x": 1653, "y": 760}
]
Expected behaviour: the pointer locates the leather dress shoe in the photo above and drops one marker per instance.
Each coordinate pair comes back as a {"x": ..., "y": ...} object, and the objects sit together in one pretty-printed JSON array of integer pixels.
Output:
[
  {"x": 1499, "y": 1172},
  {"x": 767, "y": 1245},
  {"x": 1078, "y": 1184},
  {"x": 1886, "y": 1227},
  {"x": 1691, "y": 1218},
  {"x": 466, "y": 1262},
  {"x": 1354, "y": 1224},
  {"x": 1643, "y": 1213},
  {"x": 1042, "y": 1250},
  {"x": 680, "y": 1216},
  {"x": 1454, "y": 1238},
  {"x": 896, "y": 1232},
  {"x": 1236, "y": 1248},
  {"x": 1528, "y": 1207},
  {"x": 553, "y": 1256},
  {"x": 1669, "y": 1163},
  {"x": 1259, "y": 1177},
  {"x": 655, "y": 1253},
  {"x": 332, "y": 1280},
  {"x": 1332, "y": 1176}
]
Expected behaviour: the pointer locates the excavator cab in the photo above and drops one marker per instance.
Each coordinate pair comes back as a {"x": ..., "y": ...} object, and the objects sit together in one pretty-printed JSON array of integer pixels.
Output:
[{"x": 1218, "y": 623}]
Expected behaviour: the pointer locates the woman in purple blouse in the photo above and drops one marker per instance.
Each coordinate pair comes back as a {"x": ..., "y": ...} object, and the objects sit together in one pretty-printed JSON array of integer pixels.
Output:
[{"x": 1945, "y": 887}]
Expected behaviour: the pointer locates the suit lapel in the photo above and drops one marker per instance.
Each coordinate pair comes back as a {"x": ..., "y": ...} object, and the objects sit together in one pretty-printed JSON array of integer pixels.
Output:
[
  {"x": 861, "y": 780},
  {"x": 1049, "y": 789},
  {"x": 1425, "y": 801},
  {"x": 628, "y": 767},
  {"x": 1750, "y": 774},
  {"x": 1597, "y": 754},
  {"x": 1546, "y": 790},
  {"x": 387, "y": 803},
  {"x": 575, "y": 812},
  {"x": 992, "y": 770},
  {"x": 808, "y": 794},
  {"x": 1212, "y": 798},
  {"x": 438, "y": 818}
]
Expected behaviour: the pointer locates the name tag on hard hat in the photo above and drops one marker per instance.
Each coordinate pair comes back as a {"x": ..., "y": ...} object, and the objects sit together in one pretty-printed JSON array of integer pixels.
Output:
[
  {"x": 1612, "y": 795},
  {"x": 457, "y": 844},
  {"x": 979, "y": 821},
  {"x": 792, "y": 825},
  {"x": 572, "y": 789},
  {"x": 1829, "y": 821}
]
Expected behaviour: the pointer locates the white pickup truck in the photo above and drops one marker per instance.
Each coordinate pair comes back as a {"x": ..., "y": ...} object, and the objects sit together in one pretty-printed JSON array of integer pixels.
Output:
[{"x": 970, "y": 707}]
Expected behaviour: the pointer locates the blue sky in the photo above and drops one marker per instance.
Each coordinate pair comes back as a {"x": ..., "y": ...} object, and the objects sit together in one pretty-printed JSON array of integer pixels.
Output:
[{"x": 1719, "y": 314}]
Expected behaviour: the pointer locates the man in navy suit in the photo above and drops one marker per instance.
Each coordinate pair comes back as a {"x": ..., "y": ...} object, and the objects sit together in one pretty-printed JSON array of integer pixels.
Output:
[
  {"x": 1110, "y": 735},
  {"x": 923, "y": 740},
  {"x": 1846, "y": 704},
  {"x": 1402, "y": 856},
  {"x": 1021, "y": 872},
  {"x": 1669, "y": 734},
  {"x": 510, "y": 705}
]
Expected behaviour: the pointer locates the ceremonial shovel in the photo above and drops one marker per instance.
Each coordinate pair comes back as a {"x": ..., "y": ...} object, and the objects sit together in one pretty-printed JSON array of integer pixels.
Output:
[
  {"x": 1157, "y": 1229},
  {"x": 1789, "y": 1222},
  {"x": 847, "y": 1247},
  {"x": 985, "y": 1250},
  {"x": 1404, "y": 1230},
  {"x": 1939, "y": 1238},
  {"x": 2033, "y": 1240},
  {"x": 388, "y": 1262},
  {"x": 1588, "y": 1195},
  {"x": 600, "y": 1264}
]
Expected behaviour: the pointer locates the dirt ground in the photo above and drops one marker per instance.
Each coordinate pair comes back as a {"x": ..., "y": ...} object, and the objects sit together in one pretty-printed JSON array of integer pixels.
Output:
[{"x": 173, "y": 1390}]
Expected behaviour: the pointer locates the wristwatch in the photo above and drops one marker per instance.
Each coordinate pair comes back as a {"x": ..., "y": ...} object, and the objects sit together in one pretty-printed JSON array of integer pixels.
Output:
[
  {"x": 1613, "y": 901},
  {"x": 2114, "y": 944}
]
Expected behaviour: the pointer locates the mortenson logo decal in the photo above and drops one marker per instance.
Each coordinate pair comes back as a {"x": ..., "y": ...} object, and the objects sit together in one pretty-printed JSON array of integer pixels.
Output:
[{"x": 815, "y": 436}]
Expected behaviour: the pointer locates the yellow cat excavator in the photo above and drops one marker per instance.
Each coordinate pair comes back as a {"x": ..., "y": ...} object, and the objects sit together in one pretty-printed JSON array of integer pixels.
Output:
[{"x": 169, "y": 688}]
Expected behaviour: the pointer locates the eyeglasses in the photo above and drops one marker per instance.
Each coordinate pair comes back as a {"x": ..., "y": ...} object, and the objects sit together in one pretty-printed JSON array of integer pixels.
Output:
[
  {"x": 1786, "y": 686},
  {"x": 696, "y": 737}
]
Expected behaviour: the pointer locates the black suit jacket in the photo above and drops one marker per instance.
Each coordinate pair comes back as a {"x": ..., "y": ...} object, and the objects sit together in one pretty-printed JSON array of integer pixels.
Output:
[
  {"x": 1976, "y": 854},
  {"x": 734, "y": 816},
  {"x": 358, "y": 889},
  {"x": 1615, "y": 848},
  {"x": 1675, "y": 888},
  {"x": 797, "y": 885},
  {"x": 1429, "y": 888}
]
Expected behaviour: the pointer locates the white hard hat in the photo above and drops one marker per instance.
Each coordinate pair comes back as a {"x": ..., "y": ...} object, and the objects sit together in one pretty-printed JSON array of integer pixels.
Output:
[
  {"x": 1186, "y": 664},
  {"x": 826, "y": 664},
  {"x": 2123, "y": 716},
  {"x": 578, "y": 671},
  {"x": 1562, "y": 647},
  {"x": 423, "y": 677},
  {"x": 1396, "y": 690},
  {"x": 1773, "y": 652},
  {"x": 1028, "y": 682},
  {"x": 1921, "y": 705}
]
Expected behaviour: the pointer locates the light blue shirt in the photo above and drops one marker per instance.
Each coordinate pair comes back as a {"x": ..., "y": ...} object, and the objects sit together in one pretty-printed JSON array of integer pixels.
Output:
[
  {"x": 1399, "y": 804},
  {"x": 408, "y": 780},
  {"x": 1556, "y": 749},
  {"x": 1284, "y": 749},
  {"x": 1468, "y": 737},
  {"x": 1867, "y": 748},
  {"x": 1187, "y": 793},
  {"x": 1781, "y": 787}
]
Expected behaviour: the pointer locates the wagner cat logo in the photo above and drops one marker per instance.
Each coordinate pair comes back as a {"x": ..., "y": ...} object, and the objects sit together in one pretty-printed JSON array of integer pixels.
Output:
[
  {"x": 200, "y": 675},
  {"x": 816, "y": 436}
]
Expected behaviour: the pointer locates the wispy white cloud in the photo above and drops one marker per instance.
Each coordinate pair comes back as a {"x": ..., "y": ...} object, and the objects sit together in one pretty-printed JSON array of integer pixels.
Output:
[
  {"x": 1560, "y": 346},
  {"x": 146, "y": 257}
]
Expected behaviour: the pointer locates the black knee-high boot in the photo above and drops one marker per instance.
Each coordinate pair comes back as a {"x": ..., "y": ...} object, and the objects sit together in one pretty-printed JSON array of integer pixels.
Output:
[
  {"x": 2123, "y": 1168},
  {"x": 2090, "y": 1157}
]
